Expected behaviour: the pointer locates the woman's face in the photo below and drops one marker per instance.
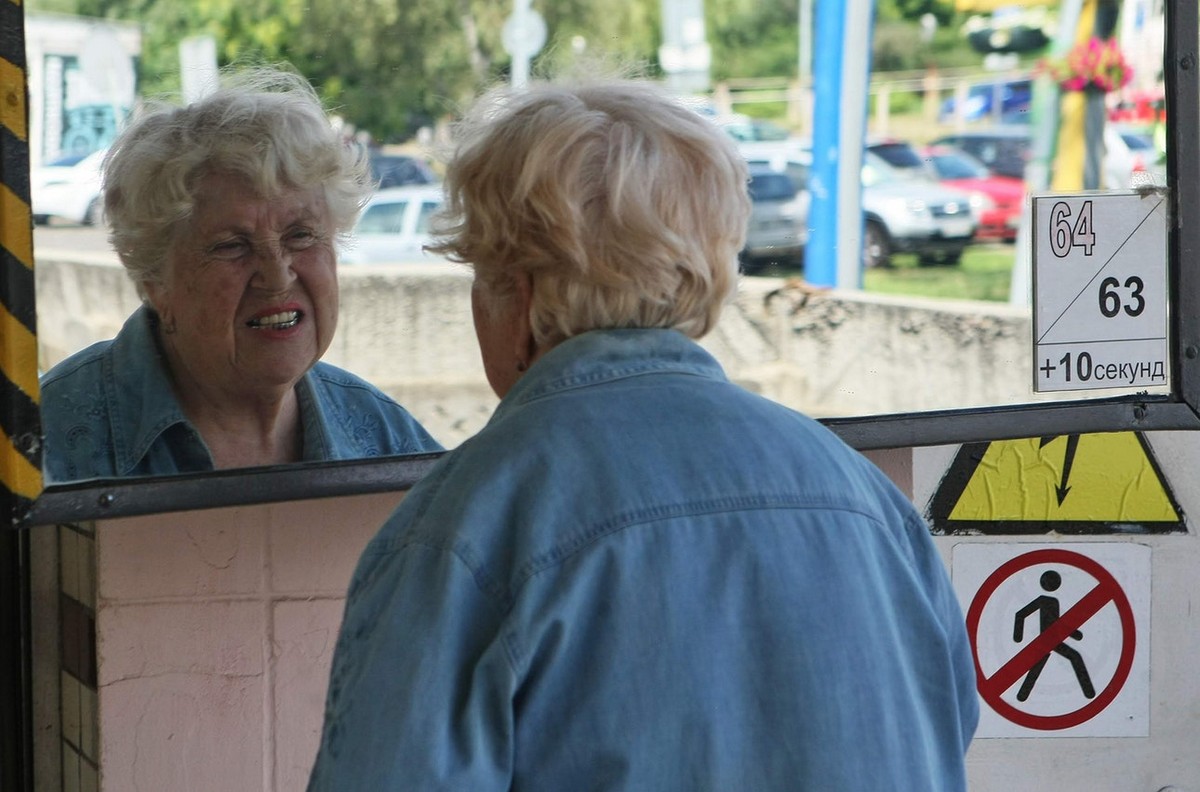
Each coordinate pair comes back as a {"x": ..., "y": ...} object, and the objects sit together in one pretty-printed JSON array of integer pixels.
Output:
[{"x": 249, "y": 295}]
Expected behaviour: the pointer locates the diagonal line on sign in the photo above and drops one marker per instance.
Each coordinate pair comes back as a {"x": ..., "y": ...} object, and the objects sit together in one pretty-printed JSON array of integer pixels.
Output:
[
  {"x": 1107, "y": 261},
  {"x": 1045, "y": 643}
]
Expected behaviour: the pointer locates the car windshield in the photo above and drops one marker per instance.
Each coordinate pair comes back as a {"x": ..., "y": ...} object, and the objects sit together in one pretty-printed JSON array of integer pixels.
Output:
[
  {"x": 383, "y": 218},
  {"x": 68, "y": 161},
  {"x": 399, "y": 170},
  {"x": 898, "y": 154},
  {"x": 1137, "y": 141},
  {"x": 876, "y": 170},
  {"x": 771, "y": 187},
  {"x": 952, "y": 165}
]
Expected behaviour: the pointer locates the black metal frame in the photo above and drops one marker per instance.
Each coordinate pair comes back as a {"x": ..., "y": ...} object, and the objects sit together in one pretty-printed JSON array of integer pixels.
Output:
[{"x": 1179, "y": 410}]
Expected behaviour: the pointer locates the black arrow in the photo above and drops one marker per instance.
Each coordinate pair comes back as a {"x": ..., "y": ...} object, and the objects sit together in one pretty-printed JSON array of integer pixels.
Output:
[{"x": 1068, "y": 459}]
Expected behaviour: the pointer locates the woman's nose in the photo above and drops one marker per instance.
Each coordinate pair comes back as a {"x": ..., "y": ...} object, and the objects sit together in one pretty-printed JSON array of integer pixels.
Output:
[{"x": 275, "y": 271}]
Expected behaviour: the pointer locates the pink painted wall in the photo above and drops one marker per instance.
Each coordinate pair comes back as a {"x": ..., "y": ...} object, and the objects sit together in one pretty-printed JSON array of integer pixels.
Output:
[{"x": 215, "y": 632}]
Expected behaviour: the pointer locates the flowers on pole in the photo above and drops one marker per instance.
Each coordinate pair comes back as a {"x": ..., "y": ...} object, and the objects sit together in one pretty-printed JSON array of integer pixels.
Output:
[{"x": 1095, "y": 64}]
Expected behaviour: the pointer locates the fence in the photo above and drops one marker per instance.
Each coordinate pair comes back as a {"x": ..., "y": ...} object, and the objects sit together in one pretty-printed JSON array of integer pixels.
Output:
[{"x": 932, "y": 85}]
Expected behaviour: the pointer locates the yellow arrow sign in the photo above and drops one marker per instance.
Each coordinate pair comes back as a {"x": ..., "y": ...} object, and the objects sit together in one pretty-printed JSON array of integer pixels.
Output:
[{"x": 1091, "y": 483}]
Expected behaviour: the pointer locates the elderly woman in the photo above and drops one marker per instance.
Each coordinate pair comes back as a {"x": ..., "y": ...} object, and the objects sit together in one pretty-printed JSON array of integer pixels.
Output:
[
  {"x": 638, "y": 575},
  {"x": 225, "y": 214}
]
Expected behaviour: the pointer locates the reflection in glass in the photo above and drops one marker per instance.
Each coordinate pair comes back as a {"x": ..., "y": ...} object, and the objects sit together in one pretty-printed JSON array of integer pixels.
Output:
[
  {"x": 887, "y": 348},
  {"x": 224, "y": 213}
]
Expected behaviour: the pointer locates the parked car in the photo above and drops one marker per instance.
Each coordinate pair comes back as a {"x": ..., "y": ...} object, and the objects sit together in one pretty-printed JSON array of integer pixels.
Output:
[
  {"x": 68, "y": 188},
  {"x": 997, "y": 200},
  {"x": 909, "y": 213},
  {"x": 398, "y": 170},
  {"x": 1015, "y": 97},
  {"x": 745, "y": 129},
  {"x": 1148, "y": 159},
  {"x": 394, "y": 226},
  {"x": 1006, "y": 150},
  {"x": 900, "y": 154},
  {"x": 902, "y": 212},
  {"x": 778, "y": 227}
]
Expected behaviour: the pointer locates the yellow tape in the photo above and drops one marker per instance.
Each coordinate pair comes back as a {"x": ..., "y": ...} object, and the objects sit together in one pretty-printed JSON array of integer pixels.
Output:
[
  {"x": 16, "y": 473},
  {"x": 12, "y": 100},
  {"x": 18, "y": 354},
  {"x": 16, "y": 226}
]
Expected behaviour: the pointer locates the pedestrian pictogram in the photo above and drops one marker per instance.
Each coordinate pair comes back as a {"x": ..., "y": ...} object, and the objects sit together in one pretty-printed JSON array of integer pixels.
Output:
[
  {"x": 1047, "y": 608},
  {"x": 1055, "y": 636},
  {"x": 1071, "y": 484}
]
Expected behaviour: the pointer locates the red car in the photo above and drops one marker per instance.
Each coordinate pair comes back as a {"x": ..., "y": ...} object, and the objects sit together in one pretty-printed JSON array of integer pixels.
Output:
[{"x": 997, "y": 200}]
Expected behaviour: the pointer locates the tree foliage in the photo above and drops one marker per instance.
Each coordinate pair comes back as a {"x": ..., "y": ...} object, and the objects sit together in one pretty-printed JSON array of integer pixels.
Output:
[{"x": 391, "y": 66}]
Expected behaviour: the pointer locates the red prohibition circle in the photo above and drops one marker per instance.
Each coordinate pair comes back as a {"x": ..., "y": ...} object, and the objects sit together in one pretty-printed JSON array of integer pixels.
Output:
[{"x": 1104, "y": 580}]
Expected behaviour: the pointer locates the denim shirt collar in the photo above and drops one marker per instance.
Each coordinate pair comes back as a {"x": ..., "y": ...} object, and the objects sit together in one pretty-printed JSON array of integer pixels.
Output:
[
  {"x": 141, "y": 400},
  {"x": 603, "y": 355},
  {"x": 142, "y": 404}
]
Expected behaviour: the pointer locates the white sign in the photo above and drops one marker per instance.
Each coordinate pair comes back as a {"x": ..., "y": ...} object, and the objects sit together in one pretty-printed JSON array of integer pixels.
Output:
[
  {"x": 523, "y": 33},
  {"x": 1099, "y": 291},
  {"x": 198, "y": 67},
  {"x": 1060, "y": 634}
]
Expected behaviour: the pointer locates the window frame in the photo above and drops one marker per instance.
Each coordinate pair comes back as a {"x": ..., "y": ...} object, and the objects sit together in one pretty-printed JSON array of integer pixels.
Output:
[{"x": 1177, "y": 410}]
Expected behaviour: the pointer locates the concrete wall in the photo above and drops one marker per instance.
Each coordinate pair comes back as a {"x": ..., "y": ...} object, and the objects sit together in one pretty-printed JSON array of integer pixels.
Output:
[{"x": 407, "y": 328}]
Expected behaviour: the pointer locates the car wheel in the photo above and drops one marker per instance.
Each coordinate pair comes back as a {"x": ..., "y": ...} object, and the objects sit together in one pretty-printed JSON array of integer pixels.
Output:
[
  {"x": 95, "y": 212},
  {"x": 877, "y": 247}
]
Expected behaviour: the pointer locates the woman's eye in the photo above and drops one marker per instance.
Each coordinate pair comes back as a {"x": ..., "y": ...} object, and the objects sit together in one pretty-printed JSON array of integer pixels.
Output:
[
  {"x": 230, "y": 248},
  {"x": 300, "y": 238}
]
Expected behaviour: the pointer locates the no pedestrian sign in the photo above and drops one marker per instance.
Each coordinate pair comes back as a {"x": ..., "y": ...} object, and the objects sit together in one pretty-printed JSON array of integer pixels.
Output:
[
  {"x": 1100, "y": 291},
  {"x": 1060, "y": 634}
]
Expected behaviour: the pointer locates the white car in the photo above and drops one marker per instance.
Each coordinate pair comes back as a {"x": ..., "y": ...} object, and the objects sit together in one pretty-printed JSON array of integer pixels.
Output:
[
  {"x": 69, "y": 188},
  {"x": 394, "y": 226}
]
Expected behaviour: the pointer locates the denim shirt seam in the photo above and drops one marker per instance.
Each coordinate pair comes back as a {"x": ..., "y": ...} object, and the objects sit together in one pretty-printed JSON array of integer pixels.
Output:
[
  {"x": 569, "y": 546},
  {"x": 575, "y": 381},
  {"x": 506, "y": 595}
]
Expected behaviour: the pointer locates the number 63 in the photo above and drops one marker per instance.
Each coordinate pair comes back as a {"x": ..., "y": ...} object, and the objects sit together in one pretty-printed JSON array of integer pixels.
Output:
[{"x": 1110, "y": 300}]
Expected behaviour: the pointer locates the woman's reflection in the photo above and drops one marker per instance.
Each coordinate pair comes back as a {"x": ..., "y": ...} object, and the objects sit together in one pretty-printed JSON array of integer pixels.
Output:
[{"x": 224, "y": 214}]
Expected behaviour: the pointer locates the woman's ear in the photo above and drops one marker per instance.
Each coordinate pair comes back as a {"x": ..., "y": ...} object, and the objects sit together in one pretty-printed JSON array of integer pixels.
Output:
[
  {"x": 526, "y": 350},
  {"x": 156, "y": 296}
]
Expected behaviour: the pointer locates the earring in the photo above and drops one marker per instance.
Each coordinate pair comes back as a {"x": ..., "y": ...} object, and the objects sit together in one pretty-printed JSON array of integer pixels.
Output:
[{"x": 522, "y": 365}]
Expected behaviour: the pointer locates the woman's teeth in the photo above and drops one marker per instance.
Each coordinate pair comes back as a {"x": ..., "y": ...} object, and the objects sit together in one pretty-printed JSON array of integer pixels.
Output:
[{"x": 276, "y": 321}]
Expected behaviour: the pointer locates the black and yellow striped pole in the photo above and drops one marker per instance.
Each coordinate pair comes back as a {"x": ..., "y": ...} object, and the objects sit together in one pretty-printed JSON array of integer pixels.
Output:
[{"x": 20, "y": 423}]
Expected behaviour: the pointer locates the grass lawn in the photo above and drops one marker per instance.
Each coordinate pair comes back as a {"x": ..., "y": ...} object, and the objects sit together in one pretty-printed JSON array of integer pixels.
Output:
[{"x": 984, "y": 274}]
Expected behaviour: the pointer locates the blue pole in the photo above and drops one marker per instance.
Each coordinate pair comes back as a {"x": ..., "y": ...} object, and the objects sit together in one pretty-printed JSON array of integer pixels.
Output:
[{"x": 841, "y": 74}]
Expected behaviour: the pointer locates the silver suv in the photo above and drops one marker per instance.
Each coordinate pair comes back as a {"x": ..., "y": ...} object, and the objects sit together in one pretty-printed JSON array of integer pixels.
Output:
[
  {"x": 778, "y": 226},
  {"x": 907, "y": 212},
  {"x": 902, "y": 212}
]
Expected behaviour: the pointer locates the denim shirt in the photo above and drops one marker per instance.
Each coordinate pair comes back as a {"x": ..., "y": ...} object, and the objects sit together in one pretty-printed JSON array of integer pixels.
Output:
[
  {"x": 111, "y": 411},
  {"x": 639, "y": 576}
]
